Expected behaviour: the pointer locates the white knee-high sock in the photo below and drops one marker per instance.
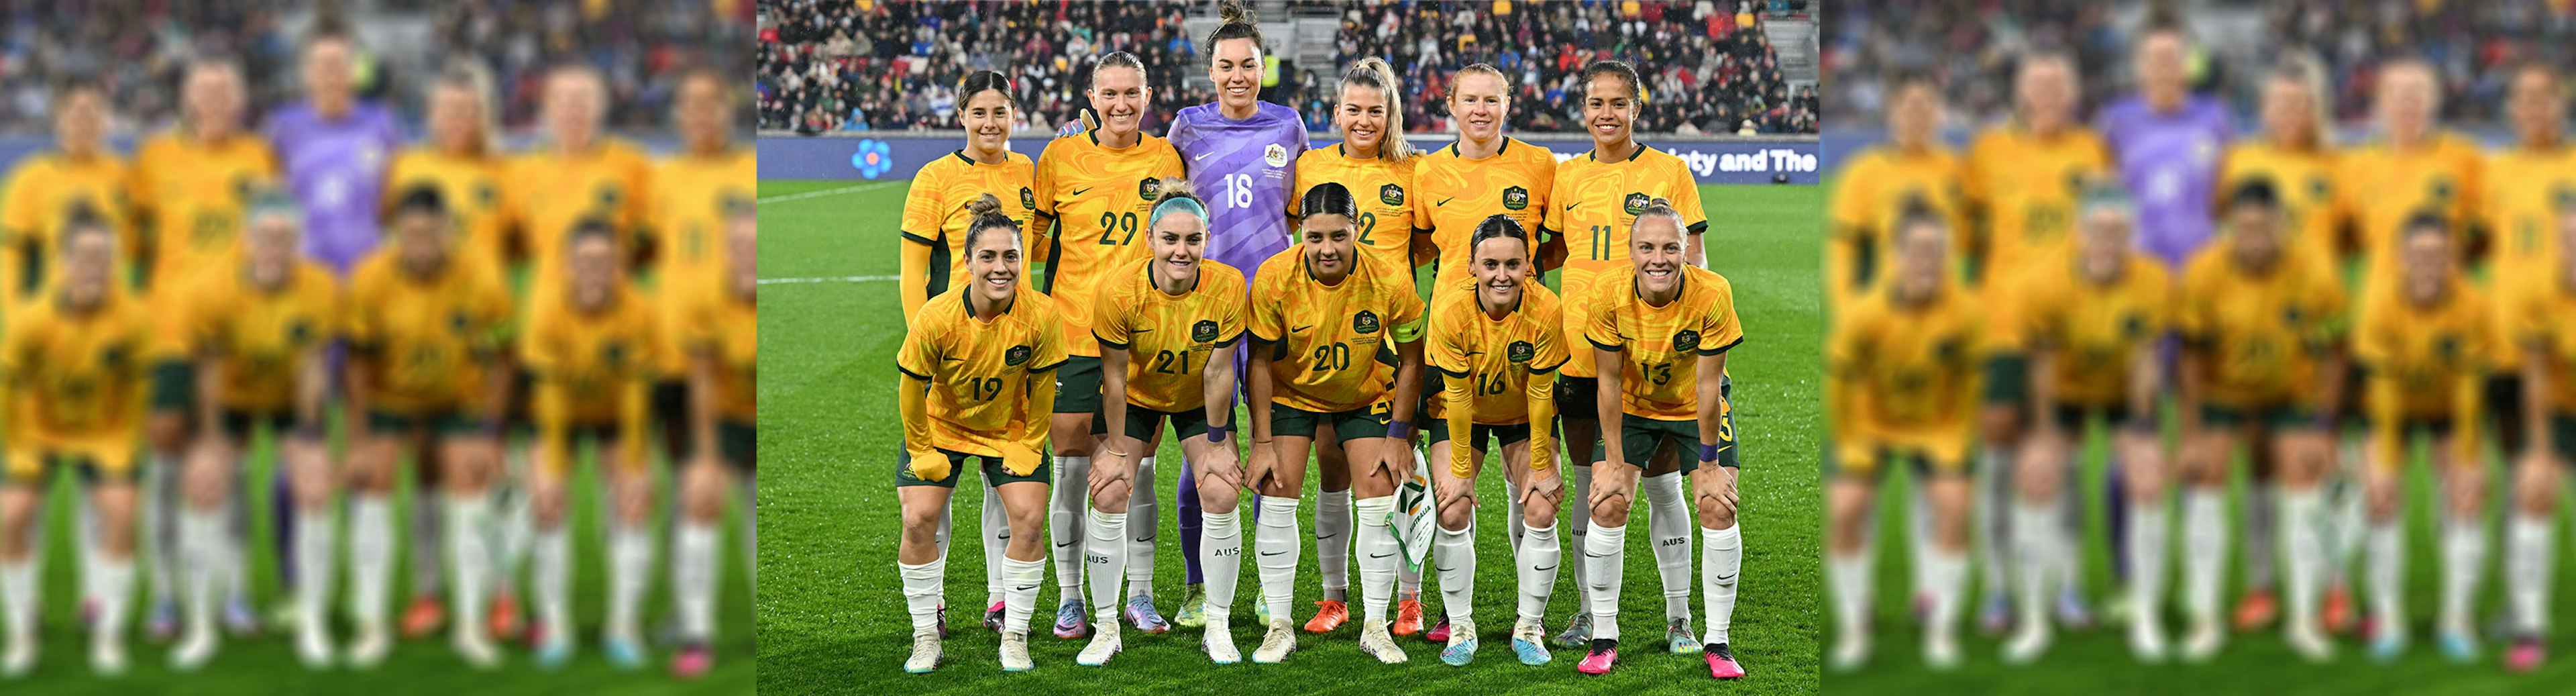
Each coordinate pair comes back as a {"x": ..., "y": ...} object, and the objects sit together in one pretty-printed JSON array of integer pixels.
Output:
[
  {"x": 371, "y": 558},
  {"x": 1850, "y": 587},
  {"x": 1220, "y": 560},
  {"x": 2387, "y": 568},
  {"x": 1537, "y": 560},
  {"x": 695, "y": 570},
  {"x": 2147, "y": 544},
  {"x": 921, "y": 589},
  {"x": 1669, "y": 523},
  {"x": 1721, "y": 561},
  {"x": 2464, "y": 556},
  {"x": 1020, "y": 592},
  {"x": 1378, "y": 556},
  {"x": 1333, "y": 541},
  {"x": 1948, "y": 569},
  {"x": 1919, "y": 541},
  {"x": 2034, "y": 538},
  {"x": 2527, "y": 557},
  {"x": 2303, "y": 547},
  {"x": 631, "y": 555},
  {"x": 551, "y": 553},
  {"x": 2205, "y": 534},
  {"x": 1992, "y": 534},
  {"x": 467, "y": 557},
  {"x": 2068, "y": 565},
  {"x": 1578, "y": 528},
  {"x": 1104, "y": 557},
  {"x": 429, "y": 522},
  {"x": 1066, "y": 523},
  {"x": 2260, "y": 523},
  {"x": 1277, "y": 542},
  {"x": 1605, "y": 550},
  {"x": 1143, "y": 514},
  {"x": 199, "y": 555},
  {"x": 1455, "y": 556},
  {"x": 157, "y": 514},
  {"x": 18, "y": 591},
  {"x": 997, "y": 534},
  {"x": 316, "y": 540},
  {"x": 115, "y": 593}
]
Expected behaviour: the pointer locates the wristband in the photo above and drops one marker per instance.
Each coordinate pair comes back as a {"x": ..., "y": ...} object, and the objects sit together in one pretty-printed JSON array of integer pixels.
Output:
[
  {"x": 1216, "y": 434},
  {"x": 1399, "y": 430},
  {"x": 1708, "y": 452},
  {"x": 308, "y": 431},
  {"x": 2323, "y": 421},
  {"x": 491, "y": 427}
]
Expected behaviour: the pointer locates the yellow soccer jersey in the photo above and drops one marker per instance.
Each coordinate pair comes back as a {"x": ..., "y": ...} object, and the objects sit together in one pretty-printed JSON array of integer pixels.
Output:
[
  {"x": 591, "y": 369},
  {"x": 2382, "y": 187},
  {"x": 1873, "y": 192},
  {"x": 2537, "y": 312},
  {"x": 980, "y": 370},
  {"x": 1169, "y": 336},
  {"x": 2264, "y": 334},
  {"x": 2024, "y": 188},
  {"x": 1333, "y": 347},
  {"x": 725, "y": 325},
  {"x": 2094, "y": 328},
  {"x": 472, "y": 188},
  {"x": 262, "y": 334},
  {"x": 1497, "y": 356},
  {"x": 1905, "y": 378},
  {"x": 2426, "y": 362},
  {"x": 934, "y": 214},
  {"x": 1664, "y": 344},
  {"x": 548, "y": 193},
  {"x": 2525, "y": 189},
  {"x": 1100, "y": 198},
  {"x": 691, "y": 198},
  {"x": 39, "y": 196},
  {"x": 429, "y": 338},
  {"x": 1385, "y": 193},
  {"x": 2305, "y": 180},
  {"x": 1594, "y": 205},
  {"x": 189, "y": 198},
  {"x": 76, "y": 381},
  {"x": 1454, "y": 194}
]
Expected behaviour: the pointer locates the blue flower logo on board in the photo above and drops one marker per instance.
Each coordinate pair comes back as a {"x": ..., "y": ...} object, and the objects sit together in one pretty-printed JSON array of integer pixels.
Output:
[{"x": 873, "y": 159}]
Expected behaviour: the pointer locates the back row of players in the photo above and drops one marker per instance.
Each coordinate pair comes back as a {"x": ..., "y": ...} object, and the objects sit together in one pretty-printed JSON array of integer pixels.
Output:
[
  {"x": 2022, "y": 276},
  {"x": 255, "y": 274},
  {"x": 1121, "y": 336}
]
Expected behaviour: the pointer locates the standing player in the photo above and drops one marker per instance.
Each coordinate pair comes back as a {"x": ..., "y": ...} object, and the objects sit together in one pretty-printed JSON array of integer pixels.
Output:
[
  {"x": 44, "y": 188},
  {"x": 2415, "y": 168},
  {"x": 1337, "y": 339},
  {"x": 1597, "y": 198},
  {"x": 720, "y": 330},
  {"x": 257, "y": 326},
  {"x": 1493, "y": 398},
  {"x": 74, "y": 367},
  {"x": 1912, "y": 169},
  {"x": 1168, "y": 327},
  {"x": 1901, "y": 382},
  {"x": 976, "y": 380},
  {"x": 2535, "y": 319},
  {"x": 1098, "y": 189},
  {"x": 2524, "y": 189}
]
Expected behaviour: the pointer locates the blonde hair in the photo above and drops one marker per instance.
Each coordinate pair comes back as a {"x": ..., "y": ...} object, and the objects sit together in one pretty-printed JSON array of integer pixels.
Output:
[
  {"x": 2301, "y": 68},
  {"x": 470, "y": 77},
  {"x": 1373, "y": 72}
]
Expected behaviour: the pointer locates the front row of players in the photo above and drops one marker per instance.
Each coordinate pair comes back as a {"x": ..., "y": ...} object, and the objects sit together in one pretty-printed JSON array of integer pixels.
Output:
[
  {"x": 1338, "y": 346},
  {"x": 2262, "y": 367},
  {"x": 418, "y": 322}
]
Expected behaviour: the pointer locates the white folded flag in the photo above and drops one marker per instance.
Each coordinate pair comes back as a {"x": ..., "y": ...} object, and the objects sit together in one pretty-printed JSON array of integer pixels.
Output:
[{"x": 1415, "y": 514}]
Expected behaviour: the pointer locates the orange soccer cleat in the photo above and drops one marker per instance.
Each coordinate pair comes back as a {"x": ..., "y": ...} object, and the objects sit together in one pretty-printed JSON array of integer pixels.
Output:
[{"x": 1329, "y": 614}]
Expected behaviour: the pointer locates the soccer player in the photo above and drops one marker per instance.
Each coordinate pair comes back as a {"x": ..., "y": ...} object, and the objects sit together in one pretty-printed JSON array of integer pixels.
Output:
[
  {"x": 425, "y": 324},
  {"x": 1598, "y": 198},
  {"x": 74, "y": 365},
  {"x": 1660, "y": 340},
  {"x": 2020, "y": 180},
  {"x": 1336, "y": 354},
  {"x": 976, "y": 370},
  {"x": 2415, "y": 168},
  {"x": 2092, "y": 312},
  {"x": 332, "y": 149},
  {"x": 2535, "y": 319},
  {"x": 1373, "y": 158},
  {"x": 1097, "y": 189},
  {"x": 2425, "y": 346},
  {"x": 44, "y": 188},
  {"x": 720, "y": 330},
  {"x": 2166, "y": 141},
  {"x": 1880, "y": 183},
  {"x": 2521, "y": 200},
  {"x": 589, "y": 346},
  {"x": 256, "y": 327},
  {"x": 1901, "y": 384},
  {"x": 1168, "y": 327},
  {"x": 2259, "y": 318},
  {"x": 1497, "y": 350}
]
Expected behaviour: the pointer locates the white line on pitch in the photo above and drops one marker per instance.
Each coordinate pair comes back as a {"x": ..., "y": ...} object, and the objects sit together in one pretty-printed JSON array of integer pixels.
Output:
[
  {"x": 828, "y": 192},
  {"x": 834, "y": 279}
]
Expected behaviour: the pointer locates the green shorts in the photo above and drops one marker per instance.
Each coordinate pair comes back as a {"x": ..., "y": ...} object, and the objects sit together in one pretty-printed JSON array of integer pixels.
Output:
[
  {"x": 671, "y": 409},
  {"x": 2273, "y": 418},
  {"x": 2007, "y": 379},
  {"x": 174, "y": 385},
  {"x": 1077, "y": 385},
  {"x": 2422, "y": 427},
  {"x": 1366, "y": 421},
  {"x": 241, "y": 424},
  {"x": 2072, "y": 419},
  {"x": 738, "y": 441},
  {"x": 1481, "y": 437},
  {"x": 2504, "y": 404},
  {"x": 1682, "y": 436},
  {"x": 91, "y": 471},
  {"x": 1577, "y": 398},
  {"x": 1143, "y": 422},
  {"x": 993, "y": 471},
  {"x": 438, "y": 423}
]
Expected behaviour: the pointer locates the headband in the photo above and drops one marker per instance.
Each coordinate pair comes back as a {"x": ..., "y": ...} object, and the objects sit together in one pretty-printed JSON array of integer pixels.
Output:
[{"x": 1176, "y": 204}]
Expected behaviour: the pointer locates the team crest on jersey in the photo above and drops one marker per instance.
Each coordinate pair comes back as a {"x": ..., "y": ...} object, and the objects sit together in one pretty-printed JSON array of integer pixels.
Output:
[
  {"x": 299, "y": 331},
  {"x": 2074, "y": 177},
  {"x": 737, "y": 202},
  {"x": 1149, "y": 189},
  {"x": 1520, "y": 352},
  {"x": 458, "y": 322},
  {"x": 1636, "y": 203},
  {"x": 1687, "y": 340},
  {"x": 609, "y": 195},
  {"x": 241, "y": 187},
  {"x": 1947, "y": 350},
  {"x": 2133, "y": 325},
  {"x": 1015, "y": 356},
  {"x": 2292, "y": 316},
  {"x": 2319, "y": 188},
  {"x": 2563, "y": 195},
  {"x": 1516, "y": 198},
  {"x": 1204, "y": 331},
  {"x": 115, "y": 356},
  {"x": 1028, "y": 198},
  {"x": 613, "y": 353},
  {"x": 1275, "y": 155},
  {"x": 1390, "y": 194},
  {"x": 487, "y": 194},
  {"x": 1365, "y": 322},
  {"x": 2439, "y": 188},
  {"x": 2448, "y": 346}
]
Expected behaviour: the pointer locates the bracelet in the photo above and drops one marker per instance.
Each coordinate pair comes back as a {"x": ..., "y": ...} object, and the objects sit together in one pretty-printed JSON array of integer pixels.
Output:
[
  {"x": 1216, "y": 434},
  {"x": 1399, "y": 430},
  {"x": 1708, "y": 452}
]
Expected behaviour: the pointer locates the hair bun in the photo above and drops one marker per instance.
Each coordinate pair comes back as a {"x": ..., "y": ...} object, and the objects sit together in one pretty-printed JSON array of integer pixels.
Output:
[{"x": 984, "y": 204}]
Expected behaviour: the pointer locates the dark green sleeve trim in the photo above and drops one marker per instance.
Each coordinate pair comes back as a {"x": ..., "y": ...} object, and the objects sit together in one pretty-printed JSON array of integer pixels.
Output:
[
  {"x": 1049, "y": 367},
  {"x": 918, "y": 239},
  {"x": 1550, "y": 368},
  {"x": 912, "y": 374},
  {"x": 1229, "y": 341},
  {"x": 1604, "y": 346},
  {"x": 1698, "y": 227},
  {"x": 1106, "y": 343},
  {"x": 1449, "y": 373},
  {"x": 1730, "y": 345}
]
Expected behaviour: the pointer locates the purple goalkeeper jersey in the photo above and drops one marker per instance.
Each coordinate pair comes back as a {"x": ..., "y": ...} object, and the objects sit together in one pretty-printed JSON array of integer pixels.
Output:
[
  {"x": 2170, "y": 163},
  {"x": 336, "y": 169},
  {"x": 1244, "y": 169}
]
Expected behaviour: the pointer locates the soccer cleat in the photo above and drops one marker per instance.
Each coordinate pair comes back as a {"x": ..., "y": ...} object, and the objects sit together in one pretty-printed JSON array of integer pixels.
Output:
[
  {"x": 476, "y": 650},
  {"x": 2457, "y": 645},
  {"x": 1069, "y": 621},
  {"x": 193, "y": 652},
  {"x": 2386, "y": 646},
  {"x": 1679, "y": 639},
  {"x": 1375, "y": 641},
  {"x": 2309, "y": 643},
  {"x": 2338, "y": 613},
  {"x": 623, "y": 652},
  {"x": 1141, "y": 613},
  {"x": 1529, "y": 642},
  {"x": 2146, "y": 639},
  {"x": 1261, "y": 612},
  {"x": 371, "y": 647},
  {"x": 313, "y": 647},
  {"x": 1721, "y": 662},
  {"x": 993, "y": 617},
  {"x": 2203, "y": 641},
  {"x": 2027, "y": 644},
  {"x": 162, "y": 624},
  {"x": 1218, "y": 640},
  {"x": 2256, "y": 610},
  {"x": 1578, "y": 632},
  {"x": 554, "y": 649},
  {"x": 693, "y": 661},
  {"x": 1015, "y": 652},
  {"x": 1275, "y": 645},
  {"x": 1104, "y": 643},
  {"x": 1408, "y": 617},
  {"x": 424, "y": 617},
  {"x": 20, "y": 659},
  {"x": 239, "y": 618},
  {"x": 1940, "y": 650},
  {"x": 107, "y": 656},
  {"x": 503, "y": 619},
  {"x": 1850, "y": 652},
  {"x": 1997, "y": 616},
  {"x": 1604, "y": 652},
  {"x": 925, "y": 653},
  {"x": 1462, "y": 644},
  {"x": 2071, "y": 612},
  {"x": 2524, "y": 656},
  {"x": 1329, "y": 614},
  {"x": 1193, "y": 608}
]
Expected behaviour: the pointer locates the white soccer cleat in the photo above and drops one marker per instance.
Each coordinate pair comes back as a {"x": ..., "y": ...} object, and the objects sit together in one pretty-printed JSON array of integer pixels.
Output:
[
  {"x": 1941, "y": 650},
  {"x": 107, "y": 657},
  {"x": 313, "y": 646},
  {"x": 2028, "y": 643},
  {"x": 1275, "y": 646},
  {"x": 1375, "y": 641},
  {"x": 373, "y": 643},
  {"x": 193, "y": 652},
  {"x": 20, "y": 659},
  {"x": 2308, "y": 643},
  {"x": 2147, "y": 639},
  {"x": 1015, "y": 652},
  {"x": 1219, "y": 641},
  {"x": 1851, "y": 650},
  {"x": 1104, "y": 643},
  {"x": 925, "y": 652},
  {"x": 2203, "y": 641},
  {"x": 475, "y": 649}
]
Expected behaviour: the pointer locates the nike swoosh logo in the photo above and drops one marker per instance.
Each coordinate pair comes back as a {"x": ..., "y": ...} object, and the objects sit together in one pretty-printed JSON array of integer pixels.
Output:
[
  {"x": 1383, "y": 555},
  {"x": 1549, "y": 568},
  {"x": 1202, "y": 155},
  {"x": 1079, "y": 191},
  {"x": 1327, "y": 537},
  {"x": 1599, "y": 555},
  {"x": 1063, "y": 544},
  {"x": 1025, "y": 588},
  {"x": 1145, "y": 540},
  {"x": 1725, "y": 578},
  {"x": 1570, "y": 206},
  {"x": 1301, "y": 329},
  {"x": 1272, "y": 553},
  {"x": 1444, "y": 201}
]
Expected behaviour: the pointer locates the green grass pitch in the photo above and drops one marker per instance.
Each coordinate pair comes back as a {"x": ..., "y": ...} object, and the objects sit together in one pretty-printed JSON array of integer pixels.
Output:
[{"x": 831, "y": 617}]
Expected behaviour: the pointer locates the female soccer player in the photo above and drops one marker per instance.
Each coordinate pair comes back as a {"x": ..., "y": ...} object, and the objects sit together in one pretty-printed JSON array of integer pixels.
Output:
[
  {"x": 1336, "y": 342},
  {"x": 1241, "y": 152},
  {"x": 1098, "y": 188},
  {"x": 720, "y": 329},
  {"x": 934, "y": 253},
  {"x": 74, "y": 368},
  {"x": 1598, "y": 198},
  {"x": 1167, "y": 327},
  {"x": 2535, "y": 318},
  {"x": 1497, "y": 350},
  {"x": 978, "y": 373}
]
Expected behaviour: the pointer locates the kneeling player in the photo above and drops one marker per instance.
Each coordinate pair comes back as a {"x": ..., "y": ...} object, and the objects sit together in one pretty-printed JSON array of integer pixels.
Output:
[{"x": 720, "y": 329}]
